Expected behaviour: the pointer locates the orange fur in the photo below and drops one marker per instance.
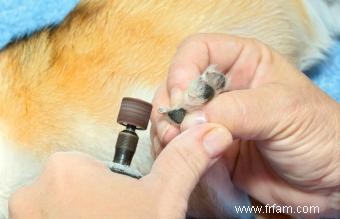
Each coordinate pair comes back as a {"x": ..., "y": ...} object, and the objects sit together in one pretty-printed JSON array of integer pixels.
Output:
[{"x": 105, "y": 47}]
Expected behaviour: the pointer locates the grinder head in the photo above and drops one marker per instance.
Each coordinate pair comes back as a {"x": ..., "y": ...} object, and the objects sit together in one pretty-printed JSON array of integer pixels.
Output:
[{"x": 134, "y": 112}]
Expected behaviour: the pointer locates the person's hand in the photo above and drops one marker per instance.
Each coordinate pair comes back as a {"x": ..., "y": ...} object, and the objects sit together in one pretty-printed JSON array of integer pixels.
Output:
[
  {"x": 74, "y": 185},
  {"x": 288, "y": 151}
]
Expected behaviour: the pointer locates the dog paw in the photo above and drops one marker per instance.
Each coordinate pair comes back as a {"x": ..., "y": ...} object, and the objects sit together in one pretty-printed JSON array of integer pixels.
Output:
[{"x": 200, "y": 91}]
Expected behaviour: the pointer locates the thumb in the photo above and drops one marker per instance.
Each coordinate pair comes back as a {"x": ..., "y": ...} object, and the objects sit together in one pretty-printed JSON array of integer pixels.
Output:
[
  {"x": 258, "y": 113},
  {"x": 183, "y": 161}
]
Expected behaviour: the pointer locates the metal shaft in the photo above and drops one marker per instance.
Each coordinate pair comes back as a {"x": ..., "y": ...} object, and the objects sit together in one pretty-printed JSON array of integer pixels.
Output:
[{"x": 126, "y": 146}]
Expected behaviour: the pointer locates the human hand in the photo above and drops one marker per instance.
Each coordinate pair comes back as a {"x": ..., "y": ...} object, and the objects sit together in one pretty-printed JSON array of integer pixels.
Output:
[
  {"x": 287, "y": 152},
  {"x": 75, "y": 185}
]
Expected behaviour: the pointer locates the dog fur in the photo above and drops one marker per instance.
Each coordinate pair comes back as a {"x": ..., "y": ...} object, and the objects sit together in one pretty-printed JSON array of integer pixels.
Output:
[{"x": 60, "y": 89}]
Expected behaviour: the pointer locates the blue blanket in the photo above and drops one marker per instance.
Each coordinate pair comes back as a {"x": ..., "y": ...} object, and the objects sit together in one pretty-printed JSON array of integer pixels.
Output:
[
  {"x": 327, "y": 73},
  {"x": 19, "y": 18}
]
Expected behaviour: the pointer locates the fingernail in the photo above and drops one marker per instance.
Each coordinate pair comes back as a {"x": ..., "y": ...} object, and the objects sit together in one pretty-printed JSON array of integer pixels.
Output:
[
  {"x": 192, "y": 119},
  {"x": 162, "y": 128},
  {"x": 176, "y": 96},
  {"x": 216, "y": 141}
]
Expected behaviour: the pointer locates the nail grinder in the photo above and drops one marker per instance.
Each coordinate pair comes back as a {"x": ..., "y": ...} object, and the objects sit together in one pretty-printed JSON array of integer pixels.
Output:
[{"x": 134, "y": 114}]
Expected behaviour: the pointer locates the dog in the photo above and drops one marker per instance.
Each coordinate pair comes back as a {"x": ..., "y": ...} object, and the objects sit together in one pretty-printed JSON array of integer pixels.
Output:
[{"x": 60, "y": 89}]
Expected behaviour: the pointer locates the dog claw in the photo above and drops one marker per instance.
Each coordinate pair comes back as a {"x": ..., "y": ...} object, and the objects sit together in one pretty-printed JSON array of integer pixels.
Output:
[{"x": 200, "y": 91}]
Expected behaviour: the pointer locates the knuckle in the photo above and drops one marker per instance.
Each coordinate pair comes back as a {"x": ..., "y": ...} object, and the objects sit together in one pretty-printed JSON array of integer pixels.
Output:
[
  {"x": 267, "y": 54},
  {"x": 254, "y": 42},
  {"x": 198, "y": 37},
  {"x": 193, "y": 40},
  {"x": 251, "y": 43}
]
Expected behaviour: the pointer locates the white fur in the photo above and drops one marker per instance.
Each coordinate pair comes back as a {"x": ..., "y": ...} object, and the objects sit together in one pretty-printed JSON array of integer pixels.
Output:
[
  {"x": 16, "y": 169},
  {"x": 325, "y": 20},
  {"x": 325, "y": 14},
  {"x": 91, "y": 137}
]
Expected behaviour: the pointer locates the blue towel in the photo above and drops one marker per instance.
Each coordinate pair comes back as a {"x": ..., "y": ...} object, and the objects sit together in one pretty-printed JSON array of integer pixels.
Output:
[
  {"x": 327, "y": 73},
  {"x": 19, "y": 18}
]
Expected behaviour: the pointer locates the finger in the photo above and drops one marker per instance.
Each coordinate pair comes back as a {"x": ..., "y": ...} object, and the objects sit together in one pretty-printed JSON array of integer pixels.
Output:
[
  {"x": 247, "y": 62},
  {"x": 162, "y": 129},
  {"x": 243, "y": 70},
  {"x": 258, "y": 65},
  {"x": 197, "y": 52},
  {"x": 252, "y": 114},
  {"x": 188, "y": 156}
]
